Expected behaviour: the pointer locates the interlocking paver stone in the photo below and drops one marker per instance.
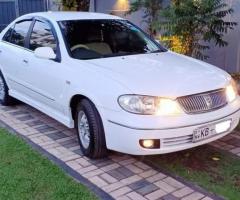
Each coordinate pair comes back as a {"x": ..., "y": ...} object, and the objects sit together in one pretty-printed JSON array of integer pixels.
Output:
[
  {"x": 20, "y": 112},
  {"x": 120, "y": 173},
  {"x": 182, "y": 192},
  {"x": 156, "y": 177},
  {"x": 25, "y": 118},
  {"x": 120, "y": 191},
  {"x": 110, "y": 167},
  {"x": 139, "y": 184},
  {"x": 171, "y": 181},
  {"x": 195, "y": 196},
  {"x": 69, "y": 143},
  {"x": 147, "y": 189},
  {"x": 165, "y": 186},
  {"x": 131, "y": 179},
  {"x": 35, "y": 123},
  {"x": 169, "y": 197},
  {"x": 45, "y": 129},
  {"x": 98, "y": 181},
  {"x": 108, "y": 178},
  {"x": 136, "y": 196},
  {"x": 124, "y": 197},
  {"x": 112, "y": 187},
  {"x": 148, "y": 173},
  {"x": 134, "y": 168},
  {"x": 57, "y": 135},
  {"x": 122, "y": 176},
  {"x": 78, "y": 151},
  {"x": 235, "y": 150},
  {"x": 207, "y": 198},
  {"x": 156, "y": 195}
]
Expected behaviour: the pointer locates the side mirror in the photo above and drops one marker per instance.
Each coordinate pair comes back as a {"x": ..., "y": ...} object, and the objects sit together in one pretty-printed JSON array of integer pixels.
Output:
[{"x": 45, "y": 53}]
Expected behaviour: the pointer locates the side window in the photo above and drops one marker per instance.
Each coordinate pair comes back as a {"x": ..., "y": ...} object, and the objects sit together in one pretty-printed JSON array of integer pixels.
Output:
[
  {"x": 42, "y": 36},
  {"x": 19, "y": 33},
  {"x": 7, "y": 36}
]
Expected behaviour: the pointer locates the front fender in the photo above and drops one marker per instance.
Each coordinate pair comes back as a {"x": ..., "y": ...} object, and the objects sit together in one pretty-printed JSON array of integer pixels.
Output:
[{"x": 102, "y": 91}]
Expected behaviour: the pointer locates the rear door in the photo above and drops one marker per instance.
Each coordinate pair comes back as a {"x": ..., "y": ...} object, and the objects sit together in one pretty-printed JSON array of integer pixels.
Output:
[{"x": 13, "y": 48}]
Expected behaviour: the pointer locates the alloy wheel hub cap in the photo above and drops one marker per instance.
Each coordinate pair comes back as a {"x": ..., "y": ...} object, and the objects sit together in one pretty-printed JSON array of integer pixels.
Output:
[{"x": 83, "y": 129}]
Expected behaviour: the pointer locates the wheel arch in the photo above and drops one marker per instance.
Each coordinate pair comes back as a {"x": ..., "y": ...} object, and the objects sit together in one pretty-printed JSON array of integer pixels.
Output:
[{"x": 75, "y": 99}]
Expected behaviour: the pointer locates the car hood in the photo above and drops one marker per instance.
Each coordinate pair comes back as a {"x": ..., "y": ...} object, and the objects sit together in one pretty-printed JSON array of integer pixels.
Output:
[{"x": 163, "y": 74}]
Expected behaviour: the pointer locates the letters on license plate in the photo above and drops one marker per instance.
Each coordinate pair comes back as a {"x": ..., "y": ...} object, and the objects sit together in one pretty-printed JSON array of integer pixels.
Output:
[{"x": 203, "y": 133}]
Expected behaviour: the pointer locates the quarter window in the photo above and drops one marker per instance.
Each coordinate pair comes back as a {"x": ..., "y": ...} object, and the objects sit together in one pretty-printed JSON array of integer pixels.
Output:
[
  {"x": 19, "y": 33},
  {"x": 42, "y": 36},
  {"x": 7, "y": 36}
]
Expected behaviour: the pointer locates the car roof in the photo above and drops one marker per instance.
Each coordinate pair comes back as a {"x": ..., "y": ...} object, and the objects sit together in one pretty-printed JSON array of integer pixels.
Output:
[{"x": 63, "y": 15}]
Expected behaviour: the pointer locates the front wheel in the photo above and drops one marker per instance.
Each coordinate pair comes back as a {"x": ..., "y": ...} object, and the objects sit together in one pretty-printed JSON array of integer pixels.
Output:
[{"x": 90, "y": 130}]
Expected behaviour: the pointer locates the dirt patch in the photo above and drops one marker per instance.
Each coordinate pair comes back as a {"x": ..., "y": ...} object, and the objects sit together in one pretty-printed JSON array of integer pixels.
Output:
[{"x": 200, "y": 159}]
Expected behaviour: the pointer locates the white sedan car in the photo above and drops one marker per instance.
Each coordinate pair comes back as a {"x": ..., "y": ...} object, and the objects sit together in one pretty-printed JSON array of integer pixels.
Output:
[{"x": 118, "y": 87}]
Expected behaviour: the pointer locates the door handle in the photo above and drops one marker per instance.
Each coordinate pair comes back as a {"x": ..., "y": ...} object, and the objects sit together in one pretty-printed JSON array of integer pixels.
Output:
[{"x": 25, "y": 61}]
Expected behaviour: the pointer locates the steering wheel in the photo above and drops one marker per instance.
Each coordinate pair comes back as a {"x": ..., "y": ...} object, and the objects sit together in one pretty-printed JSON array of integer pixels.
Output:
[{"x": 79, "y": 46}]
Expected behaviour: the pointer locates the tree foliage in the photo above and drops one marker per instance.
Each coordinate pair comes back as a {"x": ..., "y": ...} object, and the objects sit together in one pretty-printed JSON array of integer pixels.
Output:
[
  {"x": 151, "y": 11},
  {"x": 196, "y": 23},
  {"x": 79, "y": 5}
]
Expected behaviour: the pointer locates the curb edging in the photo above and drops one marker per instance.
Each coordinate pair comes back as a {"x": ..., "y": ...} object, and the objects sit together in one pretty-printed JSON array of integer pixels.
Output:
[{"x": 96, "y": 190}]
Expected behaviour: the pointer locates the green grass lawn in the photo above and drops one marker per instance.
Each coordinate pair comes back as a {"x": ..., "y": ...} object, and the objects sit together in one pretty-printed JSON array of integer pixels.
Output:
[
  {"x": 216, "y": 171},
  {"x": 25, "y": 174}
]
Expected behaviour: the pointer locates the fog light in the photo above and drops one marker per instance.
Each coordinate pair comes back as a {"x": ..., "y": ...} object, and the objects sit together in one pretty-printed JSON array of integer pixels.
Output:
[
  {"x": 223, "y": 126},
  {"x": 150, "y": 143}
]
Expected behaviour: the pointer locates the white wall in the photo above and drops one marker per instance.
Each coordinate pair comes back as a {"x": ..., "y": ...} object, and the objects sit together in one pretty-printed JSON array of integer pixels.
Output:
[{"x": 106, "y": 6}]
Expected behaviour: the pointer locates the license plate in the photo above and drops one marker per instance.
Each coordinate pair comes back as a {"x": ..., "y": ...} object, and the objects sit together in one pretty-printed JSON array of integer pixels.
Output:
[
  {"x": 211, "y": 130},
  {"x": 203, "y": 133}
]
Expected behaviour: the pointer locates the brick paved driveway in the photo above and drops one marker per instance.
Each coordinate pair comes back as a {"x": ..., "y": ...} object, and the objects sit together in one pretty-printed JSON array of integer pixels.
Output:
[
  {"x": 230, "y": 143},
  {"x": 121, "y": 176}
]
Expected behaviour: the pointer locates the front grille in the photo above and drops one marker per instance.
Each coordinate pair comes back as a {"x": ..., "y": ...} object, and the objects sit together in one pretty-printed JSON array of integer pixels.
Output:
[{"x": 203, "y": 102}]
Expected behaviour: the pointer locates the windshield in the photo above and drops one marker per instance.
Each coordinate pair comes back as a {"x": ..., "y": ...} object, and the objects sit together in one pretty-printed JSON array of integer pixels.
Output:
[{"x": 92, "y": 39}]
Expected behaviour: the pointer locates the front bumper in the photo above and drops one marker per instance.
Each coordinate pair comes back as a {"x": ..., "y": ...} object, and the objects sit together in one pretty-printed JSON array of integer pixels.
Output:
[{"x": 124, "y": 138}]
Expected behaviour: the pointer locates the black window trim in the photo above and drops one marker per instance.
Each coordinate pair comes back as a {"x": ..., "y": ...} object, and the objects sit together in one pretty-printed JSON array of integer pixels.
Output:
[
  {"x": 46, "y": 21},
  {"x": 13, "y": 27},
  {"x": 4, "y": 36},
  {"x": 27, "y": 39}
]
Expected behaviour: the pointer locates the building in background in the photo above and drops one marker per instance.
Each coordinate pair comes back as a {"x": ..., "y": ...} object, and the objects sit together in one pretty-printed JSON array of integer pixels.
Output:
[
  {"x": 227, "y": 58},
  {"x": 11, "y": 9}
]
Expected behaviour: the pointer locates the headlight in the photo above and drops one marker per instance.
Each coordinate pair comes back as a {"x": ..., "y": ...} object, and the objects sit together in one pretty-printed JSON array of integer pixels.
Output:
[
  {"x": 231, "y": 91},
  {"x": 148, "y": 105}
]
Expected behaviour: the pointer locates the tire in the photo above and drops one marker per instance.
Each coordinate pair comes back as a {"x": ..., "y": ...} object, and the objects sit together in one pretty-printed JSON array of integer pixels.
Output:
[
  {"x": 90, "y": 130},
  {"x": 5, "y": 99}
]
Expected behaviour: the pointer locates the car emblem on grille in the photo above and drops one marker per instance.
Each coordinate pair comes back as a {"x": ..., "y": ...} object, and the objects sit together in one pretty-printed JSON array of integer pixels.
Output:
[{"x": 208, "y": 101}]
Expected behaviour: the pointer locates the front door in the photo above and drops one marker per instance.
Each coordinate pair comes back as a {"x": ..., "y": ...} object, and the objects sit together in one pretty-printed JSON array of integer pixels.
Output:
[{"x": 42, "y": 77}]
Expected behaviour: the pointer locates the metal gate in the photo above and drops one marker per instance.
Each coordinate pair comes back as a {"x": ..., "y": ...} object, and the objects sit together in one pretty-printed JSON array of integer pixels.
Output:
[{"x": 10, "y": 9}]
